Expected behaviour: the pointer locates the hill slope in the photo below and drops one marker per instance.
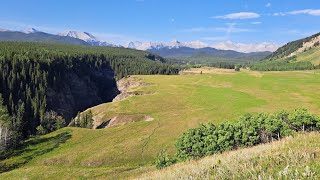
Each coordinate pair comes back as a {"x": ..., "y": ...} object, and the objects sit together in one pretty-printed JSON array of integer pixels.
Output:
[
  {"x": 296, "y": 47},
  {"x": 176, "y": 104},
  {"x": 291, "y": 158}
]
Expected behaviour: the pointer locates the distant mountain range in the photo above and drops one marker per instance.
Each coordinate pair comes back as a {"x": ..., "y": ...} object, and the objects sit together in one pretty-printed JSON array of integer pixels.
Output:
[
  {"x": 228, "y": 45},
  {"x": 174, "y": 48},
  {"x": 32, "y": 35}
]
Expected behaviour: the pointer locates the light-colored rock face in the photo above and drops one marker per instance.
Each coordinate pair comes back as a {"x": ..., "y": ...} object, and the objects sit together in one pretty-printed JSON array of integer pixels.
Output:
[
  {"x": 125, "y": 85},
  {"x": 128, "y": 88},
  {"x": 306, "y": 46}
]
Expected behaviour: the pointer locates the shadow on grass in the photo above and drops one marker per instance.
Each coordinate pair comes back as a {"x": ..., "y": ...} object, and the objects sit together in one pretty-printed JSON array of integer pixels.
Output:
[{"x": 34, "y": 148}]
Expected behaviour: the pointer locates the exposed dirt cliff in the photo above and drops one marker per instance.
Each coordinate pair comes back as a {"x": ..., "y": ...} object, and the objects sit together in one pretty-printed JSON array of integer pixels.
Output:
[
  {"x": 127, "y": 88},
  {"x": 81, "y": 92}
]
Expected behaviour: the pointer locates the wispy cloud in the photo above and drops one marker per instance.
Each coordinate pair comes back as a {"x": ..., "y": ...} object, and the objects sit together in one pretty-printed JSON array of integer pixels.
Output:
[
  {"x": 279, "y": 14},
  {"x": 311, "y": 12},
  {"x": 228, "y": 29},
  {"x": 240, "y": 15},
  {"x": 268, "y": 5},
  {"x": 215, "y": 38},
  {"x": 256, "y": 23}
]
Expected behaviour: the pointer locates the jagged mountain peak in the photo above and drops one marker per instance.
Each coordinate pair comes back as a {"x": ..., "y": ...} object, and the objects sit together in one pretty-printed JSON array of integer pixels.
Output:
[
  {"x": 79, "y": 35},
  {"x": 30, "y": 30}
]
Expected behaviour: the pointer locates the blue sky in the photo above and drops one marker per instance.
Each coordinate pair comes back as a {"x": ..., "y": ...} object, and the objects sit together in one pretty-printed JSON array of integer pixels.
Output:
[{"x": 245, "y": 21}]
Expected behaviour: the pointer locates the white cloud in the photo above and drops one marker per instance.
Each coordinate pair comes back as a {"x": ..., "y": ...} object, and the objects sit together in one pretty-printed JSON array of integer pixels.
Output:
[
  {"x": 215, "y": 38},
  {"x": 256, "y": 23},
  {"x": 240, "y": 15},
  {"x": 312, "y": 12},
  {"x": 230, "y": 29},
  {"x": 268, "y": 5},
  {"x": 279, "y": 14},
  {"x": 241, "y": 47}
]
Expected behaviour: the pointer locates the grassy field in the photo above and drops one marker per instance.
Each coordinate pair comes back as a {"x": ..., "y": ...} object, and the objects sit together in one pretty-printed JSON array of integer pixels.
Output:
[{"x": 178, "y": 103}]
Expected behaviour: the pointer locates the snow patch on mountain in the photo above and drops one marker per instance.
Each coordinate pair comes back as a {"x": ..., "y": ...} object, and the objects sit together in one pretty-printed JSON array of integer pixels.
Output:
[
  {"x": 4, "y": 30},
  {"x": 228, "y": 45},
  {"x": 89, "y": 38},
  {"x": 30, "y": 30}
]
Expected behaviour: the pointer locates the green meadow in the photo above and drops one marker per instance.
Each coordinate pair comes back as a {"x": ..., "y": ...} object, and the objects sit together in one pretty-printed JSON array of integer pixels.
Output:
[{"x": 177, "y": 103}]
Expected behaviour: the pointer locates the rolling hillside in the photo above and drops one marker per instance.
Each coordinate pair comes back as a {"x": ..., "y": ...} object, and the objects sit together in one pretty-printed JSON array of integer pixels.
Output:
[{"x": 173, "y": 104}]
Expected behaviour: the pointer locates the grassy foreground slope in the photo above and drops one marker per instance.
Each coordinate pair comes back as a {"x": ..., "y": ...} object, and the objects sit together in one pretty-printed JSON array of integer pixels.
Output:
[
  {"x": 312, "y": 56},
  {"x": 178, "y": 103},
  {"x": 290, "y": 158}
]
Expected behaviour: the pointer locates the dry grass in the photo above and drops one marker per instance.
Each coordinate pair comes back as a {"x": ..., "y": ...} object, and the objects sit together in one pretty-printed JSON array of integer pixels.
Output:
[{"x": 291, "y": 158}]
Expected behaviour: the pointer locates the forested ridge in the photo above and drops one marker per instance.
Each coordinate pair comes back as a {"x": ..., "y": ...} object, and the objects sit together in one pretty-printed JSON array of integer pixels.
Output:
[
  {"x": 290, "y": 47},
  {"x": 29, "y": 71}
]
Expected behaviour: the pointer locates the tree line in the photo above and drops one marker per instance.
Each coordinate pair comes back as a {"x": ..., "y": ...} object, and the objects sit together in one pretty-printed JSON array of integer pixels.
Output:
[
  {"x": 288, "y": 64},
  {"x": 28, "y": 70}
]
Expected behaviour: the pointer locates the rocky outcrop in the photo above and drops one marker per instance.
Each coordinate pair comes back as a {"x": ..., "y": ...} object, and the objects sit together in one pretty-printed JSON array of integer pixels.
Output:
[
  {"x": 125, "y": 87},
  {"x": 81, "y": 92}
]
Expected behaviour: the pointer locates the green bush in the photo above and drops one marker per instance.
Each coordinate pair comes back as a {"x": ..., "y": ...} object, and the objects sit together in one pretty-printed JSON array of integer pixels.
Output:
[
  {"x": 249, "y": 130},
  {"x": 163, "y": 160}
]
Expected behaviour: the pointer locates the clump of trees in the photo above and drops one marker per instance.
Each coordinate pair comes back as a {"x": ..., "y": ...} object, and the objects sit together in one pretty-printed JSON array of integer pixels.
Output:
[
  {"x": 84, "y": 120},
  {"x": 249, "y": 130},
  {"x": 282, "y": 65},
  {"x": 50, "y": 122}
]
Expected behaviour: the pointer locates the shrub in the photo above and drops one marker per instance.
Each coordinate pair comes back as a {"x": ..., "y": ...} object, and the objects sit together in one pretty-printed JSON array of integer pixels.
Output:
[
  {"x": 249, "y": 130},
  {"x": 163, "y": 160}
]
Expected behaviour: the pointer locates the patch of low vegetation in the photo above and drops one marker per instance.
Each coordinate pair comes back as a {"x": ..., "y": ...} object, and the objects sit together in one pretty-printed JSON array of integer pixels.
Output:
[
  {"x": 282, "y": 65},
  {"x": 249, "y": 130},
  {"x": 290, "y": 158}
]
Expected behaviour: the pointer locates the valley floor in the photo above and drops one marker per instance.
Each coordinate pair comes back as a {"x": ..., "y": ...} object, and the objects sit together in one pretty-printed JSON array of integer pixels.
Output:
[{"x": 175, "y": 103}]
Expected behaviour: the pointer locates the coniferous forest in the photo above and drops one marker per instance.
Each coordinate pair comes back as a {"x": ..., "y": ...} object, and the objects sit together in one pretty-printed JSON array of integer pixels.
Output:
[{"x": 30, "y": 72}]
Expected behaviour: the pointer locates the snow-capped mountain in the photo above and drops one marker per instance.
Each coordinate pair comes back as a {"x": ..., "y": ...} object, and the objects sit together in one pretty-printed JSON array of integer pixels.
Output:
[
  {"x": 79, "y": 35},
  {"x": 30, "y": 30},
  {"x": 228, "y": 45},
  {"x": 85, "y": 36},
  {"x": 3, "y": 30}
]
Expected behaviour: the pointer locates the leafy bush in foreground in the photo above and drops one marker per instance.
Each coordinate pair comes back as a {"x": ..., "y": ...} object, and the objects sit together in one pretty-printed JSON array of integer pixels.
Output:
[
  {"x": 163, "y": 160},
  {"x": 249, "y": 130}
]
